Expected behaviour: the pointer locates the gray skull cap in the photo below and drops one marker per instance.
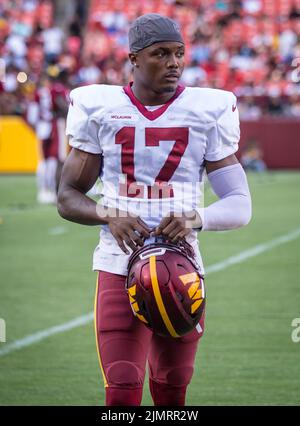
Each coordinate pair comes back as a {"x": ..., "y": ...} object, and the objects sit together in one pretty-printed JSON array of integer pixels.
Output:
[{"x": 152, "y": 28}]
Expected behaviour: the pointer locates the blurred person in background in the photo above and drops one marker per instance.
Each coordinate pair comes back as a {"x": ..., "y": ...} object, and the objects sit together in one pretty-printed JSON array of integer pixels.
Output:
[
  {"x": 53, "y": 38},
  {"x": 252, "y": 157},
  {"x": 89, "y": 72},
  {"x": 294, "y": 106},
  {"x": 46, "y": 172},
  {"x": 52, "y": 104},
  {"x": 194, "y": 75},
  {"x": 249, "y": 110}
]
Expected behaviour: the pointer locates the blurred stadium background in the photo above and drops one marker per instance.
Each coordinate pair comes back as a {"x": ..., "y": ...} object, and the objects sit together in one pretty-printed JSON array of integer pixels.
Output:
[{"x": 251, "y": 47}]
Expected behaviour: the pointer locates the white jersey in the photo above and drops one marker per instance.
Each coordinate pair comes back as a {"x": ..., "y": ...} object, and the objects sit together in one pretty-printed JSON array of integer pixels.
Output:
[{"x": 152, "y": 159}]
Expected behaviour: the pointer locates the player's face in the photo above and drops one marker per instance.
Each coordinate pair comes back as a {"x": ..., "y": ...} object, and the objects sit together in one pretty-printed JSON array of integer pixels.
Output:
[{"x": 160, "y": 66}]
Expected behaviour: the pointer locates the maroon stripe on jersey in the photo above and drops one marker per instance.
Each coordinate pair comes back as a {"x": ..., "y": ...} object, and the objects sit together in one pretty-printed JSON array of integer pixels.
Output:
[{"x": 151, "y": 115}]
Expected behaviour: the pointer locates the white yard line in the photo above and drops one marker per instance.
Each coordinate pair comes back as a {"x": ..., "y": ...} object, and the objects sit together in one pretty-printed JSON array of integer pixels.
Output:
[
  {"x": 85, "y": 319},
  {"x": 44, "y": 334},
  {"x": 254, "y": 251}
]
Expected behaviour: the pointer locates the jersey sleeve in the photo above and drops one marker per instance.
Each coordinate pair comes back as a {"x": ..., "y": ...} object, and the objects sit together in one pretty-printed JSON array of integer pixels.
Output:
[
  {"x": 81, "y": 129},
  {"x": 224, "y": 138}
]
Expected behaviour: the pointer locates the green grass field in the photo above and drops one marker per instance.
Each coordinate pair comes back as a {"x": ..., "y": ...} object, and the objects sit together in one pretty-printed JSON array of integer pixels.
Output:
[{"x": 246, "y": 357}]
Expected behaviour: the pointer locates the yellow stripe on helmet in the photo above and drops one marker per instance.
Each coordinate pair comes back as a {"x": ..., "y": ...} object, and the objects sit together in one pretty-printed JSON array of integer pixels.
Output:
[{"x": 158, "y": 298}]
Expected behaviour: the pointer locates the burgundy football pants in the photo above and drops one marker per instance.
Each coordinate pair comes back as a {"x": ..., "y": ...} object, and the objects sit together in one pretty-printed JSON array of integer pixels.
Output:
[{"x": 125, "y": 344}]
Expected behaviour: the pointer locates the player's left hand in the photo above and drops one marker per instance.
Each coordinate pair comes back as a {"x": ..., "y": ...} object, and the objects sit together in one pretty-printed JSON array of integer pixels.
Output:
[{"x": 175, "y": 228}]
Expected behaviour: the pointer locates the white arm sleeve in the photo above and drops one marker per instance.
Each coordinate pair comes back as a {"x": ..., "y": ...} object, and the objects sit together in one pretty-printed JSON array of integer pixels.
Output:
[
  {"x": 81, "y": 128},
  {"x": 233, "y": 209}
]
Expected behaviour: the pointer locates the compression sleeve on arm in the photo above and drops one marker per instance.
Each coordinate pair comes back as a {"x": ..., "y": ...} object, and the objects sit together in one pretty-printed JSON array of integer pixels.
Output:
[{"x": 233, "y": 209}]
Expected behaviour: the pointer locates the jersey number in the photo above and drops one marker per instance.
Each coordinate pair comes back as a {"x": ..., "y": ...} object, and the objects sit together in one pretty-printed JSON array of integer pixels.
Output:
[{"x": 153, "y": 136}]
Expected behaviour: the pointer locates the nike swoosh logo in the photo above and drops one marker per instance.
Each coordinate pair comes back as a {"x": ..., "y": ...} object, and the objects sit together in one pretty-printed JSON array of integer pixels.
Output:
[{"x": 233, "y": 108}]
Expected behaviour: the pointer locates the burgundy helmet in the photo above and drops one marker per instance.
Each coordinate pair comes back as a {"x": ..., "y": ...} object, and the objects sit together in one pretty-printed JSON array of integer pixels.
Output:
[{"x": 165, "y": 288}]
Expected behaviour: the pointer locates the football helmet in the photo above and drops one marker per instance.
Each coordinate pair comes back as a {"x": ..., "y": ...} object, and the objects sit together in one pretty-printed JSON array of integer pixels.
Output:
[{"x": 166, "y": 288}]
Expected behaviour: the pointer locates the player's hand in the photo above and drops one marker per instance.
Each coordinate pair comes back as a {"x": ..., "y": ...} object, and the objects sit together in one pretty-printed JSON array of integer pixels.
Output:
[
  {"x": 130, "y": 230},
  {"x": 176, "y": 228}
]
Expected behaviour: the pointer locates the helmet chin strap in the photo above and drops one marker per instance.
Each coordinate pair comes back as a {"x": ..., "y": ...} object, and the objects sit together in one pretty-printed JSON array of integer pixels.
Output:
[{"x": 181, "y": 244}]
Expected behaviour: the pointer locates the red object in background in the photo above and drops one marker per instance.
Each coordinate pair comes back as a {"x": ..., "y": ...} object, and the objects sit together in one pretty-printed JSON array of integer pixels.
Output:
[
  {"x": 59, "y": 91},
  {"x": 35, "y": 55},
  {"x": 73, "y": 45},
  {"x": 45, "y": 14},
  {"x": 278, "y": 139}
]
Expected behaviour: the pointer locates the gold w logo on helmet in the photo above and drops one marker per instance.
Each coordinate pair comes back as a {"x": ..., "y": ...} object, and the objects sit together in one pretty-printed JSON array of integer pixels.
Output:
[
  {"x": 134, "y": 303},
  {"x": 195, "y": 293}
]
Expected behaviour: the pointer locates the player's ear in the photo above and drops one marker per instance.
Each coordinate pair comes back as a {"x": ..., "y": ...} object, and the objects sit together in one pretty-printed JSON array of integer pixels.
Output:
[{"x": 132, "y": 58}]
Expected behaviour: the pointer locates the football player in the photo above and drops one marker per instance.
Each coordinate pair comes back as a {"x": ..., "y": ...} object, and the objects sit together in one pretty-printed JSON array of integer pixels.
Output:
[
  {"x": 147, "y": 141},
  {"x": 52, "y": 104}
]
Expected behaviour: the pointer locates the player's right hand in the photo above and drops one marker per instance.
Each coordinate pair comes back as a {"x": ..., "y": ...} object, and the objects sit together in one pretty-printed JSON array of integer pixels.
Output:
[{"x": 129, "y": 230}]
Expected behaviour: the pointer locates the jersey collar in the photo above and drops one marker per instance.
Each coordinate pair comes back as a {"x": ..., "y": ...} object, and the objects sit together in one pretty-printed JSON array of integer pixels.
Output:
[{"x": 151, "y": 115}]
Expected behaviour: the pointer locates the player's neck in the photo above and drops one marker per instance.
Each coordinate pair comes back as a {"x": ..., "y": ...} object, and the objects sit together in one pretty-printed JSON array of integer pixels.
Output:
[{"x": 149, "y": 97}]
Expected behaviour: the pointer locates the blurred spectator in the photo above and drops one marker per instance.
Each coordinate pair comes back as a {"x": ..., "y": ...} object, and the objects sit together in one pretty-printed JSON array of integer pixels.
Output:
[
  {"x": 252, "y": 6},
  {"x": 249, "y": 110},
  {"x": 294, "y": 106},
  {"x": 287, "y": 43},
  {"x": 295, "y": 10},
  {"x": 53, "y": 43},
  {"x": 47, "y": 114},
  {"x": 251, "y": 158},
  {"x": 89, "y": 72},
  {"x": 194, "y": 75},
  {"x": 275, "y": 105}
]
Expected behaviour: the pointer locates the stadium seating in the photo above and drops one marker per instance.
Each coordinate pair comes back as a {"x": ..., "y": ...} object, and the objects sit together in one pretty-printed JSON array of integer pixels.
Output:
[{"x": 250, "y": 47}]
